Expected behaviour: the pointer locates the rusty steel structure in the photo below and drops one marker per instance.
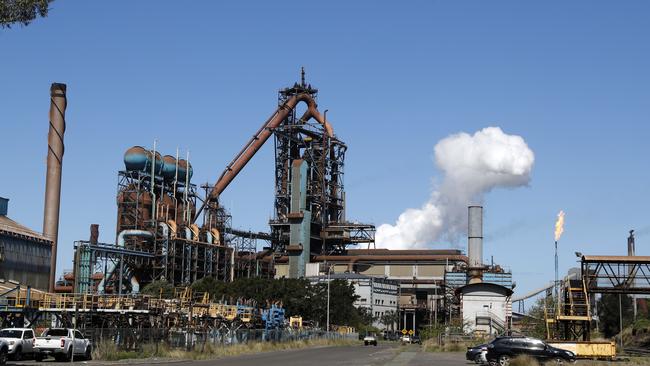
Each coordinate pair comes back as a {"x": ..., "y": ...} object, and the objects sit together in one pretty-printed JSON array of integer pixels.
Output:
[
  {"x": 58, "y": 104},
  {"x": 309, "y": 190},
  {"x": 167, "y": 231},
  {"x": 616, "y": 274}
]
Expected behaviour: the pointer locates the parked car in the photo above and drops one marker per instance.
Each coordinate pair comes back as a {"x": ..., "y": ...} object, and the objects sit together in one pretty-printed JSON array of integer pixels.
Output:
[
  {"x": 477, "y": 354},
  {"x": 406, "y": 339},
  {"x": 370, "y": 339},
  {"x": 20, "y": 342},
  {"x": 63, "y": 344},
  {"x": 4, "y": 352},
  {"x": 416, "y": 340},
  {"x": 502, "y": 349}
]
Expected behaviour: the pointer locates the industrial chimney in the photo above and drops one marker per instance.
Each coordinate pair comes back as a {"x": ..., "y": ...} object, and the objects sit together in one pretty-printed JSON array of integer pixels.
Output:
[
  {"x": 630, "y": 244},
  {"x": 475, "y": 243},
  {"x": 58, "y": 103}
]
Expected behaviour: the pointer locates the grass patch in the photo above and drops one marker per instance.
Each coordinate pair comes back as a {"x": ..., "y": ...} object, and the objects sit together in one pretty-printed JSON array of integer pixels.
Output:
[
  {"x": 108, "y": 351},
  {"x": 430, "y": 345}
]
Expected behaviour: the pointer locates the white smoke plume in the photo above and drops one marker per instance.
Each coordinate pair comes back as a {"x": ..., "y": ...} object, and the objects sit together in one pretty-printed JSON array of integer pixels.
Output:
[{"x": 472, "y": 165}]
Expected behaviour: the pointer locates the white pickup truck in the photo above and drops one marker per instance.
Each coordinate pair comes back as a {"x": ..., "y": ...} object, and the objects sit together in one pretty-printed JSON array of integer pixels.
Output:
[
  {"x": 20, "y": 341},
  {"x": 62, "y": 343}
]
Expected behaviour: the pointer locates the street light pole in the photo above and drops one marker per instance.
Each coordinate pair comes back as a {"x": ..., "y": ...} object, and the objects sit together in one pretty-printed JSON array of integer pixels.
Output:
[
  {"x": 620, "y": 319},
  {"x": 328, "y": 297}
]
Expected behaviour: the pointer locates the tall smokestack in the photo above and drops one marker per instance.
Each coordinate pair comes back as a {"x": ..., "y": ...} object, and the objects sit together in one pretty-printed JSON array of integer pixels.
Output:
[
  {"x": 58, "y": 103},
  {"x": 630, "y": 244},
  {"x": 475, "y": 243}
]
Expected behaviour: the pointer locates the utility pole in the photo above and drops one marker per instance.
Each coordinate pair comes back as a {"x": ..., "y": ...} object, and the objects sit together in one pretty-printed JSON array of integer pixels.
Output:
[
  {"x": 620, "y": 319},
  {"x": 328, "y": 296},
  {"x": 435, "y": 306}
]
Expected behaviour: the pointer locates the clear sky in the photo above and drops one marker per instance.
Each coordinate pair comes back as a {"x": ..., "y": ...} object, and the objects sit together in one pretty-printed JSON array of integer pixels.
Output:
[{"x": 571, "y": 77}]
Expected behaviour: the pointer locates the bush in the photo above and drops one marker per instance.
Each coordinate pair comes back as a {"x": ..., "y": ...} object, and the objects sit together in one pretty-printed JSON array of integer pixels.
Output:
[{"x": 524, "y": 360}]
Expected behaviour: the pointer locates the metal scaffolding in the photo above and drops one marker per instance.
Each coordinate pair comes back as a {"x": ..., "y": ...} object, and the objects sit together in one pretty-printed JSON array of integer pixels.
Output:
[{"x": 616, "y": 274}]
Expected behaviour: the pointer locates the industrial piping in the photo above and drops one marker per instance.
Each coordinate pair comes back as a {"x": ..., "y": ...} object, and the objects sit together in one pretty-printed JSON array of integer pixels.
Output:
[
  {"x": 58, "y": 104},
  {"x": 121, "y": 244},
  {"x": 263, "y": 134}
]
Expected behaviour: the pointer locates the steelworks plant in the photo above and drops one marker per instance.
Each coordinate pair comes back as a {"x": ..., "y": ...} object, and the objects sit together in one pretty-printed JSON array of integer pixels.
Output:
[{"x": 169, "y": 229}]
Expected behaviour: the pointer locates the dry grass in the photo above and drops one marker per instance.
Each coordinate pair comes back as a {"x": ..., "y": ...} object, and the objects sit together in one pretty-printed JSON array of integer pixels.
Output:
[
  {"x": 430, "y": 345},
  {"x": 524, "y": 360},
  {"x": 635, "y": 361},
  {"x": 107, "y": 351}
]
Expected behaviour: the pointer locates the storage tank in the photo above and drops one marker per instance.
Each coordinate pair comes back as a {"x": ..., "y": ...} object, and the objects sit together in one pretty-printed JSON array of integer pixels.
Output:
[
  {"x": 169, "y": 167},
  {"x": 183, "y": 166},
  {"x": 137, "y": 158}
]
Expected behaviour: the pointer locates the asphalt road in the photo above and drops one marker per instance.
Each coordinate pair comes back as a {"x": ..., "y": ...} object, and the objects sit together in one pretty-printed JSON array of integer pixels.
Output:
[
  {"x": 385, "y": 354},
  {"x": 382, "y": 355}
]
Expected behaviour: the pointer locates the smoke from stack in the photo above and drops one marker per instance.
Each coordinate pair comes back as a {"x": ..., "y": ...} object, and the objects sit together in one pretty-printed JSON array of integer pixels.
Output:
[{"x": 472, "y": 165}]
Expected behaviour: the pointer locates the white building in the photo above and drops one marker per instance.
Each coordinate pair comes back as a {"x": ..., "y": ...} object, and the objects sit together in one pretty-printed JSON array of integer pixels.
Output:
[
  {"x": 378, "y": 295},
  {"x": 485, "y": 307}
]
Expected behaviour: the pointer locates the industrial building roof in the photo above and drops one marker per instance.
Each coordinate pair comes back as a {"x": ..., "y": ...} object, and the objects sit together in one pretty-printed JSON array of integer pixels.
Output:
[
  {"x": 616, "y": 258},
  {"x": 12, "y": 228},
  {"x": 493, "y": 287},
  {"x": 385, "y": 251}
]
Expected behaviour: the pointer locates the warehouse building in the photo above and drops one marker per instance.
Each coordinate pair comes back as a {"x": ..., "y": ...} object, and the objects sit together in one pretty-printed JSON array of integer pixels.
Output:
[{"x": 24, "y": 254}]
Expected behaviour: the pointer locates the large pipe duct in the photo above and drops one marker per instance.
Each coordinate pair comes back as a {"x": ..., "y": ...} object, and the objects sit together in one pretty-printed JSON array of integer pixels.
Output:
[
  {"x": 58, "y": 104},
  {"x": 263, "y": 134},
  {"x": 475, "y": 243},
  {"x": 121, "y": 241}
]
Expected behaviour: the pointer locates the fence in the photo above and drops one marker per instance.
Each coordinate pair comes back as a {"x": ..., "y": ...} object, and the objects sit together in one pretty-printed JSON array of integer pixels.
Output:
[{"x": 133, "y": 339}]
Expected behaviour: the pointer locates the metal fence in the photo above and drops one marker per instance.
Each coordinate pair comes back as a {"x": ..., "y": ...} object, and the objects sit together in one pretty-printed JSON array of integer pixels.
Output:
[{"x": 133, "y": 339}]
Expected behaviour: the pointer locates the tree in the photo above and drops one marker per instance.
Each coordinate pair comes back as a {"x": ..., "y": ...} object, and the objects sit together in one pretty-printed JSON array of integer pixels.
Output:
[
  {"x": 608, "y": 313},
  {"x": 22, "y": 11},
  {"x": 297, "y": 296},
  {"x": 159, "y": 288},
  {"x": 534, "y": 323},
  {"x": 389, "y": 319}
]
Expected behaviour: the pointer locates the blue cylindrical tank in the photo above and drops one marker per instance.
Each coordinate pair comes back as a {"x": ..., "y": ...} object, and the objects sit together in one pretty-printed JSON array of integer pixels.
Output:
[
  {"x": 183, "y": 167},
  {"x": 137, "y": 158},
  {"x": 169, "y": 167},
  {"x": 158, "y": 167}
]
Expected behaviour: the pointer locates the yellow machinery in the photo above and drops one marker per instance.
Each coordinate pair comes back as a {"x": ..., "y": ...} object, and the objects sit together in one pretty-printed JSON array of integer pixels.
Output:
[
  {"x": 569, "y": 318},
  {"x": 343, "y": 329},
  {"x": 568, "y": 323},
  {"x": 588, "y": 349},
  {"x": 295, "y": 322}
]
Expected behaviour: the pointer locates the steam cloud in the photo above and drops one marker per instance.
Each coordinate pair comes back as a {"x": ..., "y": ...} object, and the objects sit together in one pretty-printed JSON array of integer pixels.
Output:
[{"x": 472, "y": 166}]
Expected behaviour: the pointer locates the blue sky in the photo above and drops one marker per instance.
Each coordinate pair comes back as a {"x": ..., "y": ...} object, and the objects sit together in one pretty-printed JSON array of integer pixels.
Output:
[{"x": 570, "y": 77}]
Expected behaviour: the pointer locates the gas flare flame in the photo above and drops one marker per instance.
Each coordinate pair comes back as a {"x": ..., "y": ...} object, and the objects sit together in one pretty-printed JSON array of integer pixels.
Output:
[{"x": 559, "y": 225}]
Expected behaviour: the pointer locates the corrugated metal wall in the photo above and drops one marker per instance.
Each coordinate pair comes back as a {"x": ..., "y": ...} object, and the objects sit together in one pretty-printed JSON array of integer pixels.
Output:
[{"x": 25, "y": 261}]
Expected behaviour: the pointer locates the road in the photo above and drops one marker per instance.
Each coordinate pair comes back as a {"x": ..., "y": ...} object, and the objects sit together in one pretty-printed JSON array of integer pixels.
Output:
[{"x": 382, "y": 355}]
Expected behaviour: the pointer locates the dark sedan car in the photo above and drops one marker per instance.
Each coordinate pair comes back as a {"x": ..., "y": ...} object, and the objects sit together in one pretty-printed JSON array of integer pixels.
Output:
[
  {"x": 477, "y": 353},
  {"x": 503, "y": 349}
]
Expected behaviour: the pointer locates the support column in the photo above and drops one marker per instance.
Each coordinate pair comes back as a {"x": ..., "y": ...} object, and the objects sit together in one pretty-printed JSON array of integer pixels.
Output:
[{"x": 300, "y": 221}]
